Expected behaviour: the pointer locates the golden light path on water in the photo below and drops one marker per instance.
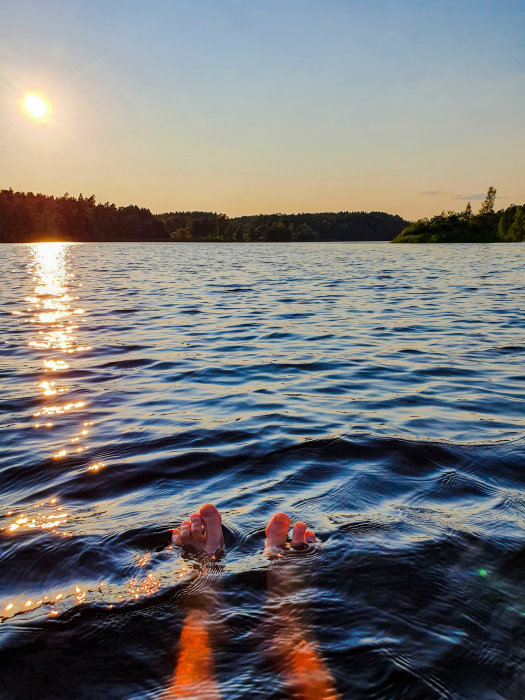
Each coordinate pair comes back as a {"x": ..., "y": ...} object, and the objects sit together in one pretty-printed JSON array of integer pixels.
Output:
[
  {"x": 53, "y": 312},
  {"x": 56, "y": 319}
]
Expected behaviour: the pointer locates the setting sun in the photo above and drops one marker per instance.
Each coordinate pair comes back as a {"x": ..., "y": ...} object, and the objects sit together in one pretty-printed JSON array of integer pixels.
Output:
[{"x": 36, "y": 106}]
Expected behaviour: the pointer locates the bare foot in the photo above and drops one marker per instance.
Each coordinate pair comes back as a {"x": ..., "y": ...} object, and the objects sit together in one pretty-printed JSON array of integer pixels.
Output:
[
  {"x": 203, "y": 531},
  {"x": 277, "y": 531}
]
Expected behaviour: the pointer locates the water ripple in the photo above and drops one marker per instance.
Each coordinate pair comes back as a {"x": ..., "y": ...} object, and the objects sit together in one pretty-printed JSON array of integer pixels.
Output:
[{"x": 375, "y": 392}]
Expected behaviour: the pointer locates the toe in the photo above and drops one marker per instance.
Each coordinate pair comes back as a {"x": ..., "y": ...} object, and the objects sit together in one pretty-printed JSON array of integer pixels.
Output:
[
  {"x": 277, "y": 529},
  {"x": 298, "y": 533},
  {"x": 309, "y": 536},
  {"x": 209, "y": 511},
  {"x": 196, "y": 530},
  {"x": 175, "y": 537},
  {"x": 185, "y": 533},
  {"x": 280, "y": 522},
  {"x": 213, "y": 527}
]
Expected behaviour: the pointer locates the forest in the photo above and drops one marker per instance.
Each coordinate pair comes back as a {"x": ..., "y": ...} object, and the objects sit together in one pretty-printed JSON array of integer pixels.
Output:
[
  {"x": 26, "y": 217},
  {"x": 487, "y": 226}
]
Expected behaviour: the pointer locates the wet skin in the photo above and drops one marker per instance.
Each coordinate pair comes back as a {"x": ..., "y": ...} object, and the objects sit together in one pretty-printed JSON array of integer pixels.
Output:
[
  {"x": 203, "y": 531},
  {"x": 298, "y": 658},
  {"x": 277, "y": 532}
]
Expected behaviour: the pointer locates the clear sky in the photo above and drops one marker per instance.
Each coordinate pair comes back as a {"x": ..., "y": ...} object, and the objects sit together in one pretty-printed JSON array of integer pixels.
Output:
[{"x": 249, "y": 106}]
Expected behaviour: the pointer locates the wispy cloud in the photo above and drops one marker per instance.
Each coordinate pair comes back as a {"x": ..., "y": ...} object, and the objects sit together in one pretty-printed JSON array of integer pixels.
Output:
[
  {"x": 478, "y": 195},
  {"x": 453, "y": 195}
]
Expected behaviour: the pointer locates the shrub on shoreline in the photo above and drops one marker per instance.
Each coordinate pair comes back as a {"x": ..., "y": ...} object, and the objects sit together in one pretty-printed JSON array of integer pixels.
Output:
[{"x": 487, "y": 226}]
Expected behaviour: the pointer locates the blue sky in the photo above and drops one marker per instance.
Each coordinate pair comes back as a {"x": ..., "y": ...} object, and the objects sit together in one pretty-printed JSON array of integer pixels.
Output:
[{"x": 246, "y": 107}]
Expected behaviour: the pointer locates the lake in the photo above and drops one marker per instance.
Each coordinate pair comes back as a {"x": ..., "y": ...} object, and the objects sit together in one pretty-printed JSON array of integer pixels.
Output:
[{"x": 374, "y": 391}]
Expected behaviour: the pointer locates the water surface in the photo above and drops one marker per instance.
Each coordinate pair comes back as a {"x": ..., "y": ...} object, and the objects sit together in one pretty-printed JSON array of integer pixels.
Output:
[{"x": 375, "y": 391}]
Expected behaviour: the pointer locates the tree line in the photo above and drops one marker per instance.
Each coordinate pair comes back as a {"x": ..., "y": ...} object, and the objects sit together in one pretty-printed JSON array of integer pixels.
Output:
[
  {"x": 487, "y": 226},
  {"x": 26, "y": 217}
]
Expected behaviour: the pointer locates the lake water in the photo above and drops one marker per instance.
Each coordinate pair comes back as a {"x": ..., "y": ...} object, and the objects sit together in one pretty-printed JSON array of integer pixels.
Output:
[{"x": 375, "y": 391}]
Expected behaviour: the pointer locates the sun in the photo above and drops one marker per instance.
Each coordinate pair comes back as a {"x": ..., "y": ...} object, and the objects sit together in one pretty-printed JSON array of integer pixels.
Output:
[{"x": 36, "y": 106}]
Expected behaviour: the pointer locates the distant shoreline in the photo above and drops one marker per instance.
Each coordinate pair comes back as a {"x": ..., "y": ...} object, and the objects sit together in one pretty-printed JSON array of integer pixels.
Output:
[
  {"x": 170, "y": 241},
  {"x": 26, "y": 217},
  {"x": 29, "y": 218},
  {"x": 217, "y": 242}
]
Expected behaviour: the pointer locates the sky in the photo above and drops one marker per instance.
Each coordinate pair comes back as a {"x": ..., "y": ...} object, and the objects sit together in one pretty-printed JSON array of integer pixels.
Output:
[{"x": 261, "y": 106}]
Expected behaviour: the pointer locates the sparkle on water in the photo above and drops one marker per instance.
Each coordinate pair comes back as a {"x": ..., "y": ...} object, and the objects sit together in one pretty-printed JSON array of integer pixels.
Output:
[{"x": 374, "y": 391}]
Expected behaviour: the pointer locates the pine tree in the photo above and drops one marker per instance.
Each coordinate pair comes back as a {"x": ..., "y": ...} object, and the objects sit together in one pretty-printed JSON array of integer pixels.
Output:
[
  {"x": 466, "y": 214},
  {"x": 488, "y": 205}
]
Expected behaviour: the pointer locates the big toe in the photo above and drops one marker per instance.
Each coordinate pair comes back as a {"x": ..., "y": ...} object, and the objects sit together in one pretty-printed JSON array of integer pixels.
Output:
[
  {"x": 213, "y": 527},
  {"x": 277, "y": 529}
]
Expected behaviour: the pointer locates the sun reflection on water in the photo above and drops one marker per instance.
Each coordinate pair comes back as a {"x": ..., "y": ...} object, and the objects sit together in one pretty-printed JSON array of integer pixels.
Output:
[
  {"x": 42, "y": 516},
  {"x": 52, "y": 308},
  {"x": 51, "y": 303},
  {"x": 147, "y": 586},
  {"x": 51, "y": 314},
  {"x": 110, "y": 594}
]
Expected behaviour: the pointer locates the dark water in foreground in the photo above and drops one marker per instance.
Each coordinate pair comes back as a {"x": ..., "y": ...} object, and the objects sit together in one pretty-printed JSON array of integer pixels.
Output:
[{"x": 375, "y": 391}]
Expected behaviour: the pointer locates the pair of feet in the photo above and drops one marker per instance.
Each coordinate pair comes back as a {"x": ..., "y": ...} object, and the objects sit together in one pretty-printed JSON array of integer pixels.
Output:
[{"x": 203, "y": 532}]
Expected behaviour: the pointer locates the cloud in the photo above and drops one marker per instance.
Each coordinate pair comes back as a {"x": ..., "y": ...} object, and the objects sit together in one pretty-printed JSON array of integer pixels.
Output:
[
  {"x": 452, "y": 195},
  {"x": 479, "y": 195}
]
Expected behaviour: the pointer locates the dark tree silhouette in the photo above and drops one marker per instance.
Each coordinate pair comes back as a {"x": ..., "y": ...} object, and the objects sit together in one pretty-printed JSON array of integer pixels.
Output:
[
  {"x": 29, "y": 217},
  {"x": 486, "y": 227},
  {"x": 488, "y": 205}
]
